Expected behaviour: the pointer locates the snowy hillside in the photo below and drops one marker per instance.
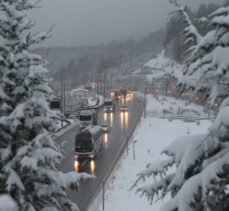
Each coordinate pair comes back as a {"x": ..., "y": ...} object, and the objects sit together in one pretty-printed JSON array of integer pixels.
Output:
[
  {"x": 159, "y": 67},
  {"x": 82, "y": 63}
]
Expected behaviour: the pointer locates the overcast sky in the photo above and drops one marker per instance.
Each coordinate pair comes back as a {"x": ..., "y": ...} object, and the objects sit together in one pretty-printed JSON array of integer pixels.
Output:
[{"x": 90, "y": 22}]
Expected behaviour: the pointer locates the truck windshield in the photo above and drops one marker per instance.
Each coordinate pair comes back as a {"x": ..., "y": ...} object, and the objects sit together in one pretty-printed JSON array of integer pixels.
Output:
[
  {"x": 108, "y": 103},
  {"x": 85, "y": 117},
  {"x": 83, "y": 143}
]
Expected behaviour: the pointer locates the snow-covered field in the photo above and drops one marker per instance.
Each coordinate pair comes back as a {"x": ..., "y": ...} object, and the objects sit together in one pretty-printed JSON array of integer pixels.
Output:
[{"x": 152, "y": 136}]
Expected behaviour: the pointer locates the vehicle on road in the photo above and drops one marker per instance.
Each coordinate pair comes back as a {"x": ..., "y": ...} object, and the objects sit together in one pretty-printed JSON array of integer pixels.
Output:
[
  {"x": 88, "y": 142},
  {"x": 87, "y": 118},
  {"x": 105, "y": 127},
  {"x": 123, "y": 93},
  {"x": 116, "y": 94},
  {"x": 109, "y": 105},
  {"x": 124, "y": 108}
]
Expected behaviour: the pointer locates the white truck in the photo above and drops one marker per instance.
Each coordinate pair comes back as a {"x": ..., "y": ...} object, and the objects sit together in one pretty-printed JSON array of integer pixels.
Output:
[
  {"x": 109, "y": 105},
  {"x": 87, "y": 118}
]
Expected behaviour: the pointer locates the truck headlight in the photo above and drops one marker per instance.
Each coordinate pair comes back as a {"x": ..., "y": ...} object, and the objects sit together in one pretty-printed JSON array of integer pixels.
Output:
[{"x": 92, "y": 155}]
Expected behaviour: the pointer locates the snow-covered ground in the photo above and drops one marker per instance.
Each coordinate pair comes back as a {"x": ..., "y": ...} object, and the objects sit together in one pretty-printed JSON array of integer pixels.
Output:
[{"x": 152, "y": 136}]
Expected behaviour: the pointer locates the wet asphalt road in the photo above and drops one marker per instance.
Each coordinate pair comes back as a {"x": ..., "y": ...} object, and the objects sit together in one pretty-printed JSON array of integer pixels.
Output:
[{"x": 120, "y": 126}]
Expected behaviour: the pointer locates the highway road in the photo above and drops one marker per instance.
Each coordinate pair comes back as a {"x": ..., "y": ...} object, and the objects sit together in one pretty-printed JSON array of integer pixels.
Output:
[{"x": 120, "y": 125}]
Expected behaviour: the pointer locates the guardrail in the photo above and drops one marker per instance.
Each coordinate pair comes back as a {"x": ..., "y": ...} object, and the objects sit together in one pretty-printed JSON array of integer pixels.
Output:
[
  {"x": 64, "y": 120},
  {"x": 57, "y": 136},
  {"x": 173, "y": 116}
]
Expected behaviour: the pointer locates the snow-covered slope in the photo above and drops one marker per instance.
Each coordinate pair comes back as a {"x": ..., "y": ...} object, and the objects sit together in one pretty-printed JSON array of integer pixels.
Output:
[{"x": 159, "y": 67}]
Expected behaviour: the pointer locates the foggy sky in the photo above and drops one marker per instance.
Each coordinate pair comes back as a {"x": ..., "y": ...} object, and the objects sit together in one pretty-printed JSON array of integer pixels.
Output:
[{"x": 90, "y": 22}]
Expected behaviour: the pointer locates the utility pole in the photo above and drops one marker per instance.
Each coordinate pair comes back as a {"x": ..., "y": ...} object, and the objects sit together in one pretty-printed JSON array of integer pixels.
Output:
[
  {"x": 64, "y": 89},
  {"x": 145, "y": 102},
  {"x": 104, "y": 83},
  {"x": 62, "y": 93},
  {"x": 97, "y": 87}
]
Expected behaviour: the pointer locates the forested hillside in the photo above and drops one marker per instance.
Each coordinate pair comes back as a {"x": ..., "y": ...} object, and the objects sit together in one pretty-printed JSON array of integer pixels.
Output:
[{"x": 83, "y": 63}]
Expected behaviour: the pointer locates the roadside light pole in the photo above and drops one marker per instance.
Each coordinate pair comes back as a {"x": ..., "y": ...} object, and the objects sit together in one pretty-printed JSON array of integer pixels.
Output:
[
  {"x": 127, "y": 145},
  {"x": 134, "y": 142},
  {"x": 103, "y": 195}
]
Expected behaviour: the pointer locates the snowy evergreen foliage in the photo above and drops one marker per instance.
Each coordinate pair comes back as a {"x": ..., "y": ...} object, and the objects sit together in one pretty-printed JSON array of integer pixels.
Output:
[
  {"x": 207, "y": 65},
  {"x": 196, "y": 175},
  {"x": 29, "y": 159},
  {"x": 7, "y": 203}
]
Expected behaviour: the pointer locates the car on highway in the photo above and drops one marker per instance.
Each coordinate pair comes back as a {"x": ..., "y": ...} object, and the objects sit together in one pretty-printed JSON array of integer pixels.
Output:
[
  {"x": 105, "y": 127},
  {"x": 124, "y": 108}
]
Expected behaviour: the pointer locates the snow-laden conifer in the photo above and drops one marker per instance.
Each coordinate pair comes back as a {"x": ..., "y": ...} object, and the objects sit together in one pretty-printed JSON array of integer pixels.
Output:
[
  {"x": 196, "y": 175},
  {"x": 7, "y": 203},
  {"x": 29, "y": 158}
]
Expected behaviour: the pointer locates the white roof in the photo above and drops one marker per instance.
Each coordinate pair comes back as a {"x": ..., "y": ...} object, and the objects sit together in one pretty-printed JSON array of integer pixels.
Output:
[{"x": 87, "y": 112}]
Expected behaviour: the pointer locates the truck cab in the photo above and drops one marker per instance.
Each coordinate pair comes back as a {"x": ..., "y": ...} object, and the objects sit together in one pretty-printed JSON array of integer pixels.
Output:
[
  {"x": 109, "y": 105},
  {"x": 87, "y": 118}
]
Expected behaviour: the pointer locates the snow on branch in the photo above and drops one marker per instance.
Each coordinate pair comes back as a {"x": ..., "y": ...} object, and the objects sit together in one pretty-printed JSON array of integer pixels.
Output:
[
  {"x": 39, "y": 37},
  {"x": 7, "y": 203},
  {"x": 192, "y": 155},
  {"x": 156, "y": 169},
  {"x": 221, "y": 21},
  {"x": 158, "y": 187},
  {"x": 217, "y": 37},
  {"x": 190, "y": 30},
  {"x": 14, "y": 180},
  {"x": 208, "y": 60},
  {"x": 220, "y": 126},
  {"x": 200, "y": 185},
  {"x": 222, "y": 11},
  {"x": 70, "y": 180},
  {"x": 193, "y": 37},
  {"x": 198, "y": 148}
]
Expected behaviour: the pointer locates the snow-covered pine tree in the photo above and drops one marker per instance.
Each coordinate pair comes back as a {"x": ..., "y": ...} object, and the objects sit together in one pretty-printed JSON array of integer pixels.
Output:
[
  {"x": 29, "y": 158},
  {"x": 196, "y": 174}
]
